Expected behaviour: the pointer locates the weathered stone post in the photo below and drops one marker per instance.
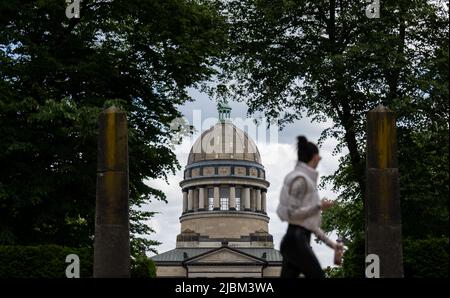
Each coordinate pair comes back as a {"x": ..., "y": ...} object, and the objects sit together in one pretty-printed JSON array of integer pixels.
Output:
[
  {"x": 112, "y": 236},
  {"x": 382, "y": 205}
]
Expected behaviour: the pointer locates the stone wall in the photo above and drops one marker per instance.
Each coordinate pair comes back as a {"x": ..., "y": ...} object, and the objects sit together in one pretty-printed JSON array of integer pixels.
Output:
[
  {"x": 170, "y": 271},
  {"x": 272, "y": 271},
  {"x": 226, "y": 226}
]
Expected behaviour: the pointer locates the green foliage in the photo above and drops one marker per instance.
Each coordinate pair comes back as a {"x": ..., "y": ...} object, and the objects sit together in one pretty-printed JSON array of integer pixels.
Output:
[
  {"x": 43, "y": 261},
  {"x": 48, "y": 261},
  {"x": 333, "y": 272},
  {"x": 354, "y": 258},
  {"x": 426, "y": 258},
  {"x": 57, "y": 74},
  {"x": 327, "y": 60},
  {"x": 143, "y": 267},
  {"x": 424, "y": 187}
]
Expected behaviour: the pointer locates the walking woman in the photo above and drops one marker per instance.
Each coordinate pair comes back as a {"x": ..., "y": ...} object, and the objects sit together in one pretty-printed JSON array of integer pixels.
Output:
[{"x": 301, "y": 207}]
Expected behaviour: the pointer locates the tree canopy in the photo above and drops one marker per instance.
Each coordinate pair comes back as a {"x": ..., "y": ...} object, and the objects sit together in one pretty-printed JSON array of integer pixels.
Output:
[
  {"x": 285, "y": 58},
  {"x": 327, "y": 59},
  {"x": 57, "y": 74}
]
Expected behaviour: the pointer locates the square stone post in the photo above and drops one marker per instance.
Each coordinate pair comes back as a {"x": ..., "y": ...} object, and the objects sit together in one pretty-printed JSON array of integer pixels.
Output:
[
  {"x": 112, "y": 228},
  {"x": 382, "y": 205}
]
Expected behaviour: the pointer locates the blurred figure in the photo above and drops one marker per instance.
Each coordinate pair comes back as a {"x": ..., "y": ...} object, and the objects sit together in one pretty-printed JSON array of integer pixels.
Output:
[{"x": 301, "y": 207}]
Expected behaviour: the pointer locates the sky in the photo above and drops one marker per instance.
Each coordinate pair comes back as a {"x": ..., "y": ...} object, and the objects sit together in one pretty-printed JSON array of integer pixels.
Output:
[{"x": 278, "y": 156}]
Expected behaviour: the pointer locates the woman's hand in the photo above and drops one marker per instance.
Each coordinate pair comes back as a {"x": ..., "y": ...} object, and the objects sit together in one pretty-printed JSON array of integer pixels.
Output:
[{"x": 325, "y": 204}]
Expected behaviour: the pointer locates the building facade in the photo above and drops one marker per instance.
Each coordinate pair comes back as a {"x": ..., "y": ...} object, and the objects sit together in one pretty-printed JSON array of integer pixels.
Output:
[{"x": 224, "y": 223}]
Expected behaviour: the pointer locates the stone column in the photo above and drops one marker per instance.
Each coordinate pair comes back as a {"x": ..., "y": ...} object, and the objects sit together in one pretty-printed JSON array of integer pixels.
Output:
[
  {"x": 232, "y": 198},
  {"x": 185, "y": 201},
  {"x": 252, "y": 199},
  {"x": 258, "y": 200},
  {"x": 201, "y": 199},
  {"x": 196, "y": 199},
  {"x": 263, "y": 201},
  {"x": 112, "y": 234},
  {"x": 216, "y": 198},
  {"x": 190, "y": 200},
  {"x": 246, "y": 198},
  {"x": 382, "y": 202}
]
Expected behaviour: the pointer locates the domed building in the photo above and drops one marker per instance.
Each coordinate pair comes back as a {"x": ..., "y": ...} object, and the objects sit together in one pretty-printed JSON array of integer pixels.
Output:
[{"x": 224, "y": 222}]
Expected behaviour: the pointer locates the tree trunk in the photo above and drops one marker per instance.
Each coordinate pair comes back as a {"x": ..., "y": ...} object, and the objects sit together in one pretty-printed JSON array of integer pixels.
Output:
[{"x": 358, "y": 165}]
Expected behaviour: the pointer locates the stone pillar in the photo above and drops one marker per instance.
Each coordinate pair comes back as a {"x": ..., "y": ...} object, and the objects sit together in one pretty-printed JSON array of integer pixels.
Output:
[
  {"x": 263, "y": 201},
  {"x": 112, "y": 228},
  {"x": 185, "y": 201},
  {"x": 216, "y": 198},
  {"x": 258, "y": 200},
  {"x": 382, "y": 202},
  {"x": 252, "y": 199},
  {"x": 246, "y": 198},
  {"x": 232, "y": 198},
  {"x": 195, "y": 204},
  {"x": 190, "y": 200},
  {"x": 201, "y": 199}
]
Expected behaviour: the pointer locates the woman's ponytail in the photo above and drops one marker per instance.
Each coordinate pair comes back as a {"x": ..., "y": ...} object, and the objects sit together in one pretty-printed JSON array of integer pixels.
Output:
[{"x": 305, "y": 149}]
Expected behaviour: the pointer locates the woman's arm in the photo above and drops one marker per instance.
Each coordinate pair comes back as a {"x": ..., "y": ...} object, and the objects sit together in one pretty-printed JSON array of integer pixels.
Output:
[{"x": 321, "y": 235}]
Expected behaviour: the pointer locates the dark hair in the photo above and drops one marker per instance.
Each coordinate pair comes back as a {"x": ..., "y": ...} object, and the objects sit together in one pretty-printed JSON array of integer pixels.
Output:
[{"x": 305, "y": 149}]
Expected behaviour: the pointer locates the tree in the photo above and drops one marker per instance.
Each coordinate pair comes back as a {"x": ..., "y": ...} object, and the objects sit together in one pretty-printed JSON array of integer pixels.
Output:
[
  {"x": 329, "y": 60},
  {"x": 57, "y": 74},
  {"x": 143, "y": 267},
  {"x": 423, "y": 162}
]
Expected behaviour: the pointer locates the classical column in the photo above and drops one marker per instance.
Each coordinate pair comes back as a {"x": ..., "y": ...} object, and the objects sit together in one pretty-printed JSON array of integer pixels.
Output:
[
  {"x": 246, "y": 198},
  {"x": 232, "y": 198},
  {"x": 195, "y": 204},
  {"x": 258, "y": 200},
  {"x": 263, "y": 201},
  {"x": 201, "y": 198},
  {"x": 252, "y": 199},
  {"x": 216, "y": 198},
  {"x": 190, "y": 199},
  {"x": 185, "y": 201}
]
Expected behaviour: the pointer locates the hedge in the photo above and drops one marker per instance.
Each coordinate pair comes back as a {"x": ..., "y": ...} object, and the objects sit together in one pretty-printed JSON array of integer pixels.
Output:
[
  {"x": 49, "y": 261},
  {"x": 143, "y": 267},
  {"x": 426, "y": 258}
]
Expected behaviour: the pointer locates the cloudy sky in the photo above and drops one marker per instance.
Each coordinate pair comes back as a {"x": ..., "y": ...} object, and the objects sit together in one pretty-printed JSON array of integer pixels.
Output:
[{"x": 278, "y": 155}]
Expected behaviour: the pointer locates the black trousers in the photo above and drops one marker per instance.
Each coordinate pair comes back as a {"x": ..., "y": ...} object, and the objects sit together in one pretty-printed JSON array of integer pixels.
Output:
[{"x": 298, "y": 256}]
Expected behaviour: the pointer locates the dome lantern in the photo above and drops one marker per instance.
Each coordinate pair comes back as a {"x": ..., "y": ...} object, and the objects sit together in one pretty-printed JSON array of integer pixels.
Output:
[{"x": 224, "y": 110}]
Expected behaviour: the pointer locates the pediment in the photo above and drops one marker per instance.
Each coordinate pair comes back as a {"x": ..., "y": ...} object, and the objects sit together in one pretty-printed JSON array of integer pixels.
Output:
[{"x": 224, "y": 255}]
